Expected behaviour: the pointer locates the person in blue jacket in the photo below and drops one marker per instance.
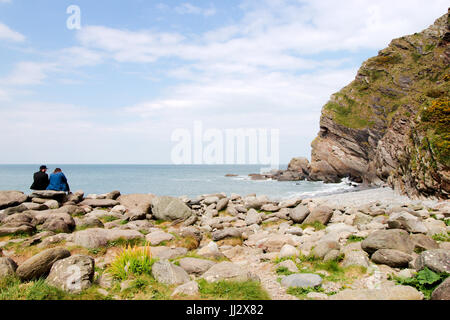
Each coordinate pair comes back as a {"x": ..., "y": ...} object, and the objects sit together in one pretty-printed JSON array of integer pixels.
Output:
[{"x": 58, "y": 181}]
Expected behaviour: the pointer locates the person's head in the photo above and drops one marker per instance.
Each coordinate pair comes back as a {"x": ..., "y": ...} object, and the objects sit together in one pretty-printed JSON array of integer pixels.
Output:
[
  {"x": 43, "y": 168},
  {"x": 57, "y": 170}
]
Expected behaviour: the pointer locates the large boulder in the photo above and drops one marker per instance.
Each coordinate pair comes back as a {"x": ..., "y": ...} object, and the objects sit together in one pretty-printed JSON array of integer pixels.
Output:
[
  {"x": 169, "y": 209},
  {"x": 406, "y": 221},
  {"x": 59, "y": 222},
  {"x": 59, "y": 196},
  {"x": 169, "y": 274},
  {"x": 321, "y": 214},
  {"x": 299, "y": 213},
  {"x": 157, "y": 237},
  {"x": 73, "y": 274},
  {"x": 39, "y": 265},
  {"x": 386, "y": 293},
  {"x": 11, "y": 199},
  {"x": 388, "y": 239},
  {"x": 140, "y": 203},
  {"x": 392, "y": 258},
  {"x": 228, "y": 271},
  {"x": 96, "y": 237},
  {"x": 437, "y": 260},
  {"x": 7, "y": 267},
  {"x": 442, "y": 292},
  {"x": 300, "y": 165},
  {"x": 196, "y": 266},
  {"x": 302, "y": 280},
  {"x": 253, "y": 217},
  {"x": 423, "y": 242},
  {"x": 356, "y": 258},
  {"x": 16, "y": 228}
]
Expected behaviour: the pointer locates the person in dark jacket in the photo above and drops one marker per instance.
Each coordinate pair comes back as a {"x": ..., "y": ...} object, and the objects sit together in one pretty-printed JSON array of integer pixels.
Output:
[
  {"x": 58, "y": 181},
  {"x": 40, "y": 179}
]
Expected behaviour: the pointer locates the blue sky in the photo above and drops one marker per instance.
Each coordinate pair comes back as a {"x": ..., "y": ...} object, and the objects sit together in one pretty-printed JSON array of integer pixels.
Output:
[{"x": 115, "y": 90}]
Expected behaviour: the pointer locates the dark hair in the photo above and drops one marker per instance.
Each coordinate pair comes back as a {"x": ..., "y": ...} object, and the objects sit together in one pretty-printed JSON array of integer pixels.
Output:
[{"x": 57, "y": 170}]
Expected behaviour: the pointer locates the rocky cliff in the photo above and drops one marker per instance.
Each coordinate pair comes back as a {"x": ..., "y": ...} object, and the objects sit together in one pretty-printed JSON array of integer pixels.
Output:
[{"x": 392, "y": 123}]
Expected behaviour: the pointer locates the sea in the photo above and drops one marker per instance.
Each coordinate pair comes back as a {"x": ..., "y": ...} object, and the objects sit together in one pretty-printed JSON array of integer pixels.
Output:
[{"x": 170, "y": 180}]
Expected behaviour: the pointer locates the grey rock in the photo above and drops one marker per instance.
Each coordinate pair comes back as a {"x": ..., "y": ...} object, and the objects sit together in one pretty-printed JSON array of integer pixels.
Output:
[
  {"x": 7, "y": 267},
  {"x": 155, "y": 238},
  {"x": 11, "y": 199},
  {"x": 323, "y": 247},
  {"x": 388, "y": 239},
  {"x": 226, "y": 233},
  {"x": 442, "y": 292},
  {"x": 222, "y": 204},
  {"x": 253, "y": 217},
  {"x": 356, "y": 258},
  {"x": 423, "y": 242},
  {"x": 140, "y": 203},
  {"x": 228, "y": 271},
  {"x": 321, "y": 214},
  {"x": 196, "y": 266},
  {"x": 392, "y": 258},
  {"x": 406, "y": 221},
  {"x": 39, "y": 265},
  {"x": 99, "y": 203},
  {"x": 188, "y": 289},
  {"x": 299, "y": 213},
  {"x": 302, "y": 280},
  {"x": 168, "y": 253},
  {"x": 437, "y": 260},
  {"x": 73, "y": 274},
  {"x": 168, "y": 273},
  {"x": 169, "y": 208}
]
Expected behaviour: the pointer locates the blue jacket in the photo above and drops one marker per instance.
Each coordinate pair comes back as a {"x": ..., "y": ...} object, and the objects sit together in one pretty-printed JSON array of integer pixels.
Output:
[{"x": 58, "y": 182}]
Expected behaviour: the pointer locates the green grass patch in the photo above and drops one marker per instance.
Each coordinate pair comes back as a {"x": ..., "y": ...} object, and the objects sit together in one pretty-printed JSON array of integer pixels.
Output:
[
  {"x": 316, "y": 225},
  {"x": 132, "y": 261},
  {"x": 108, "y": 218},
  {"x": 283, "y": 271},
  {"x": 354, "y": 238},
  {"x": 231, "y": 290},
  {"x": 441, "y": 237}
]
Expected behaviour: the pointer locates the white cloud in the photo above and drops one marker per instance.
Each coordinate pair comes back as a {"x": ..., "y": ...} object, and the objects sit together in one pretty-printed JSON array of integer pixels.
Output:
[
  {"x": 7, "y": 33},
  {"x": 187, "y": 8},
  {"x": 28, "y": 73}
]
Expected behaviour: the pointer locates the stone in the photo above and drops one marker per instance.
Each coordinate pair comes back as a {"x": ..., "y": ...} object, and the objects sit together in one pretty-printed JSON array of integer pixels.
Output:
[
  {"x": 321, "y": 214},
  {"x": 9, "y": 229},
  {"x": 90, "y": 223},
  {"x": 296, "y": 231},
  {"x": 435, "y": 227},
  {"x": 156, "y": 238},
  {"x": 270, "y": 207},
  {"x": 317, "y": 296},
  {"x": 211, "y": 250},
  {"x": 423, "y": 242},
  {"x": 299, "y": 213},
  {"x": 168, "y": 253},
  {"x": 7, "y": 267},
  {"x": 437, "y": 260},
  {"x": 105, "y": 280},
  {"x": 188, "y": 289},
  {"x": 289, "y": 265},
  {"x": 196, "y": 266},
  {"x": 17, "y": 209},
  {"x": 302, "y": 280},
  {"x": 52, "y": 204},
  {"x": 40, "y": 264},
  {"x": 96, "y": 237},
  {"x": 169, "y": 209},
  {"x": 99, "y": 203},
  {"x": 222, "y": 204},
  {"x": 168, "y": 273},
  {"x": 289, "y": 203},
  {"x": 356, "y": 258},
  {"x": 255, "y": 202},
  {"x": 406, "y": 221},
  {"x": 442, "y": 292},
  {"x": 119, "y": 209},
  {"x": 332, "y": 255},
  {"x": 59, "y": 196},
  {"x": 228, "y": 271},
  {"x": 323, "y": 247},
  {"x": 140, "y": 203},
  {"x": 113, "y": 195},
  {"x": 59, "y": 223},
  {"x": 135, "y": 215},
  {"x": 288, "y": 251},
  {"x": 74, "y": 274},
  {"x": 253, "y": 217},
  {"x": 392, "y": 258},
  {"x": 384, "y": 293},
  {"x": 11, "y": 199},
  {"x": 396, "y": 239},
  {"x": 300, "y": 164},
  {"x": 226, "y": 233}
]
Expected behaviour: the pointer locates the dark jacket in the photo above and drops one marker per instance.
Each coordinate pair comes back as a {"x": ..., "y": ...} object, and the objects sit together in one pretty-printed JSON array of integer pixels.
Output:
[
  {"x": 40, "y": 181},
  {"x": 58, "y": 182}
]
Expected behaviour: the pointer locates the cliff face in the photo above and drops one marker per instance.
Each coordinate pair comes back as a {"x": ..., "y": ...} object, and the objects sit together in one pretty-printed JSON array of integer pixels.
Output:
[{"x": 392, "y": 123}]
